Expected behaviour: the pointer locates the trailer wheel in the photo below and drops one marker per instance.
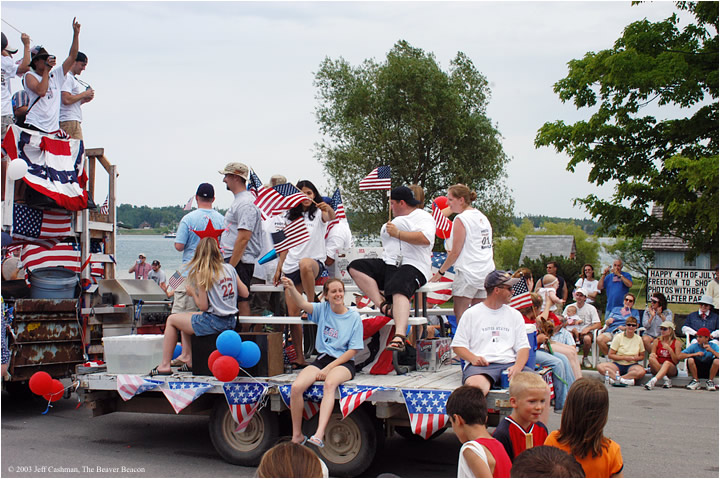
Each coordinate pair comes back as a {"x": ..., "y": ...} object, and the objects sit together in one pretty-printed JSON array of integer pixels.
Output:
[
  {"x": 242, "y": 448},
  {"x": 350, "y": 443},
  {"x": 407, "y": 433}
]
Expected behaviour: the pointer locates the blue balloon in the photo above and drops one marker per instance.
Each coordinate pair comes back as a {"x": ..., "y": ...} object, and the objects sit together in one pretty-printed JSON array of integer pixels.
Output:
[
  {"x": 249, "y": 354},
  {"x": 178, "y": 351},
  {"x": 229, "y": 343}
]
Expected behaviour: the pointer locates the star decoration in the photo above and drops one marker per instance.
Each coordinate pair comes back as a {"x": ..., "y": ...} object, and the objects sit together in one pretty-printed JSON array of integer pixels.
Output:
[{"x": 209, "y": 232}]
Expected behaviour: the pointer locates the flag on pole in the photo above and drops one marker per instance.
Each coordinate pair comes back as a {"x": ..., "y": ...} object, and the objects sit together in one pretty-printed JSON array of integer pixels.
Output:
[
  {"x": 293, "y": 234},
  {"x": 276, "y": 199},
  {"x": 426, "y": 409},
  {"x": 441, "y": 221},
  {"x": 254, "y": 184},
  {"x": 520, "y": 295},
  {"x": 105, "y": 208},
  {"x": 243, "y": 400},
  {"x": 337, "y": 205},
  {"x": 44, "y": 228},
  {"x": 188, "y": 205},
  {"x": 378, "y": 179},
  {"x": 181, "y": 394},
  {"x": 175, "y": 280},
  {"x": 130, "y": 385},
  {"x": 352, "y": 396},
  {"x": 312, "y": 397}
]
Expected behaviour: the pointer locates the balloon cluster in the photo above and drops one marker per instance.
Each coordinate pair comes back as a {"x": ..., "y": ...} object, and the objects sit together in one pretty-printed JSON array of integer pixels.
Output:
[
  {"x": 231, "y": 353},
  {"x": 43, "y": 385}
]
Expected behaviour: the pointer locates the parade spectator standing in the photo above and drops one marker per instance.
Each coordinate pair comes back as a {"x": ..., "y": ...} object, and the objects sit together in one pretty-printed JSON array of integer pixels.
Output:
[
  {"x": 616, "y": 284},
  {"x": 140, "y": 267},
  {"x": 471, "y": 250},
  {"x": 242, "y": 239},
  {"x": 713, "y": 290},
  {"x": 703, "y": 318},
  {"x": 702, "y": 360},
  {"x": 407, "y": 247},
  {"x": 158, "y": 275},
  {"x": 626, "y": 350},
  {"x": 590, "y": 321},
  {"x": 664, "y": 356},
  {"x": 10, "y": 70},
  {"x": 587, "y": 280},
  {"x": 73, "y": 96},
  {"x": 656, "y": 313},
  {"x": 491, "y": 337},
  {"x": 615, "y": 322},
  {"x": 44, "y": 83},
  {"x": 561, "y": 290}
]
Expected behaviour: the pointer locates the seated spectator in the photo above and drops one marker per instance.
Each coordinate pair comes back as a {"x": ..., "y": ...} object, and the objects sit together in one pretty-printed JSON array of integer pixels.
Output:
[
  {"x": 546, "y": 461},
  {"x": 158, "y": 275},
  {"x": 626, "y": 350},
  {"x": 588, "y": 282},
  {"x": 656, "y": 313},
  {"x": 702, "y": 360},
  {"x": 491, "y": 336},
  {"x": 288, "y": 459},
  {"x": 590, "y": 321},
  {"x": 20, "y": 104},
  {"x": 664, "y": 356},
  {"x": 615, "y": 322},
  {"x": 548, "y": 292},
  {"x": 703, "y": 318}
]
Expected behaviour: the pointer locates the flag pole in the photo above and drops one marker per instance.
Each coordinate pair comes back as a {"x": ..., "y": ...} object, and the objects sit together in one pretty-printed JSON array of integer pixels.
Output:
[{"x": 389, "y": 208}]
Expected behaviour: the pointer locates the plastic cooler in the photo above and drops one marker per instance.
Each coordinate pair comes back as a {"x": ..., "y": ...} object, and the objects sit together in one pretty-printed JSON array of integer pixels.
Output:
[{"x": 133, "y": 354}]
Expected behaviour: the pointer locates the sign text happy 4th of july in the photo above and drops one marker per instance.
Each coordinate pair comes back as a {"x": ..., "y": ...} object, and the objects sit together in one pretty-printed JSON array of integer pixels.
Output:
[{"x": 679, "y": 285}]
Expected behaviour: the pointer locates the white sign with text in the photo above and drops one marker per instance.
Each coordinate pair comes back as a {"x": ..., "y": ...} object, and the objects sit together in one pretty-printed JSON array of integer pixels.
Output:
[{"x": 679, "y": 285}]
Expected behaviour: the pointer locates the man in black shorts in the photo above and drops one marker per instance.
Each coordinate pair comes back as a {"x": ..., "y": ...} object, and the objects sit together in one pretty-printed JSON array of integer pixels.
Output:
[{"x": 407, "y": 247}]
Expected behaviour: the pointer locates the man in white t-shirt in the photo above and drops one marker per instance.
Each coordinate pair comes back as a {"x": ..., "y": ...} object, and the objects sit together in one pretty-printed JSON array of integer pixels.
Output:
[
  {"x": 43, "y": 84},
  {"x": 10, "y": 70},
  {"x": 491, "y": 336},
  {"x": 74, "y": 95},
  {"x": 407, "y": 248},
  {"x": 590, "y": 320}
]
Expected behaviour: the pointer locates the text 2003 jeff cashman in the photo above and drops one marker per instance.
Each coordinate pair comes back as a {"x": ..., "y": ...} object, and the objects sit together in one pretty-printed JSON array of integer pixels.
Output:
[{"x": 77, "y": 470}]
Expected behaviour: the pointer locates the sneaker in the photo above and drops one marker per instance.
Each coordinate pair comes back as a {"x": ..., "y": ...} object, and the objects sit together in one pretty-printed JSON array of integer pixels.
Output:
[
  {"x": 667, "y": 383},
  {"x": 586, "y": 363},
  {"x": 649, "y": 385},
  {"x": 629, "y": 382},
  {"x": 693, "y": 385},
  {"x": 709, "y": 385}
]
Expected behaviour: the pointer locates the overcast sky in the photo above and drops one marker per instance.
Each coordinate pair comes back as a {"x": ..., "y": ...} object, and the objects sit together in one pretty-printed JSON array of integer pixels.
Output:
[{"x": 184, "y": 87}]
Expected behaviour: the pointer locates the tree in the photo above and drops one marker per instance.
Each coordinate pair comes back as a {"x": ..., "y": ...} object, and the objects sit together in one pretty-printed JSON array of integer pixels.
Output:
[
  {"x": 428, "y": 125},
  {"x": 634, "y": 258},
  {"x": 671, "y": 161}
]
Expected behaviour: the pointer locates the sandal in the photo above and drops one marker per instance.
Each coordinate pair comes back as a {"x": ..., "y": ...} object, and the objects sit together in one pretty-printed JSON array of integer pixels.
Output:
[
  {"x": 156, "y": 372},
  {"x": 185, "y": 368},
  {"x": 176, "y": 363},
  {"x": 386, "y": 309},
  {"x": 316, "y": 442},
  {"x": 397, "y": 344}
]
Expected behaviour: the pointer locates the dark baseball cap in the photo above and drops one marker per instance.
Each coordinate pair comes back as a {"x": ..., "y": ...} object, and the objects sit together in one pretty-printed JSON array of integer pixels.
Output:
[
  {"x": 499, "y": 278},
  {"x": 206, "y": 190},
  {"x": 156, "y": 263},
  {"x": 403, "y": 193}
]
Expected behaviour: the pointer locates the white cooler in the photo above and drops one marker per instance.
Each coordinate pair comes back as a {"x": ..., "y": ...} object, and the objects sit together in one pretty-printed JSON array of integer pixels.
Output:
[{"x": 133, "y": 354}]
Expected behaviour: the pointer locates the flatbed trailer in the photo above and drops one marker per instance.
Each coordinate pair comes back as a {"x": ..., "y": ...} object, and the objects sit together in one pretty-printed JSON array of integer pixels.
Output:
[{"x": 350, "y": 443}]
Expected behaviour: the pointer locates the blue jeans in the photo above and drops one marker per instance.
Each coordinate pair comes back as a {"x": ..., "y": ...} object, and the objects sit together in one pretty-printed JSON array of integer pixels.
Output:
[{"x": 561, "y": 370}]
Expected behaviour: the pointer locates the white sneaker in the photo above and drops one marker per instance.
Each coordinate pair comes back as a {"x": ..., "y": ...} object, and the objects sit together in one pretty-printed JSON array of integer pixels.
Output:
[
  {"x": 629, "y": 382},
  {"x": 586, "y": 363},
  {"x": 693, "y": 385},
  {"x": 649, "y": 385},
  {"x": 710, "y": 385},
  {"x": 667, "y": 382}
]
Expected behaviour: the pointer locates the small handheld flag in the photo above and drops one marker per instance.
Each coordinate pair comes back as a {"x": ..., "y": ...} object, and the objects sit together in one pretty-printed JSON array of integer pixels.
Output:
[{"x": 378, "y": 179}]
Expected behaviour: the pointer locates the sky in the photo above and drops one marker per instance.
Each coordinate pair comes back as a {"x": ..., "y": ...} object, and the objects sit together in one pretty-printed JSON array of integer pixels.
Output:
[{"x": 182, "y": 88}]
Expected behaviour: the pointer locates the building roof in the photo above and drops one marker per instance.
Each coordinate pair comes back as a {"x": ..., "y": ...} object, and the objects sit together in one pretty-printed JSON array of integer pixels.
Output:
[
  {"x": 660, "y": 242},
  {"x": 535, "y": 246}
]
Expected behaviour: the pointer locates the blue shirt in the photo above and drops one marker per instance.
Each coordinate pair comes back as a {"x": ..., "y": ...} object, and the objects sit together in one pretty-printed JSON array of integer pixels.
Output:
[
  {"x": 196, "y": 220},
  {"x": 615, "y": 290},
  {"x": 696, "y": 348},
  {"x": 619, "y": 319},
  {"x": 337, "y": 333}
]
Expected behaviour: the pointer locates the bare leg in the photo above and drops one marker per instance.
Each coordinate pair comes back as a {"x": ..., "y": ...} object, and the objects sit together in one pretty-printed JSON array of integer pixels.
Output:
[
  {"x": 610, "y": 368},
  {"x": 336, "y": 377},
  {"x": 587, "y": 342},
  {"x": 305, "y": 379},
  {"x": 367, "y": 285},
  {"x": 175, "y": 322},
  {"x": 666, "y": 369},
  {"x": 460, "y": 305},
  {"x": 603, "y": 340},
  {"x": 401, "y": 313},
  {"x": 693, "y": 368},
  {"x": 479, "y": 381},
  {"x": 309, "y": 270},
  {"x": 713, "y": 369},
  {"x": 186, "y": 354},
  {"x": 647, "y": 341},
  {"x": 635, "y": 372},
  {"x": 571, "y": 353}
]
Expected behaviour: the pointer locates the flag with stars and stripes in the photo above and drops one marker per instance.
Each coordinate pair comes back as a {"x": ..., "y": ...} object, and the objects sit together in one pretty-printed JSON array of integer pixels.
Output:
[
  {"x": 275, "y": 200},
  {"x": 337, "y": 205},
  {"x": 352, "y": 396},
  {"x": 105, "y": 208},
  {"x": 175, "y": 280},
  {"x": 243, "y": 400},
  {"x": 441, "y": 296},
  {"x": 442, "y": 222},
  {"x": 426, "y": 409},
  {"x": 188, "y": 205},
  {"x": 181, "y": 394},
  {"x": 66, "y": 255},
  {"x": 44, "y": 228},
  {"x": 312, "y": 396},
  {"x": 293, "y": 234},
  {"x": 130, "y": 385},
  {"x": 378, "y": 179},
  {"x": 520, "y": 295},
  {"x": 254, "y": 184}
]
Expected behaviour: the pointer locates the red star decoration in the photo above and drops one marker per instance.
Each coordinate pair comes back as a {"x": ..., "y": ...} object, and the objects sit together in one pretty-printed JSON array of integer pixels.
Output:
[{"x": 209, "y": 232}]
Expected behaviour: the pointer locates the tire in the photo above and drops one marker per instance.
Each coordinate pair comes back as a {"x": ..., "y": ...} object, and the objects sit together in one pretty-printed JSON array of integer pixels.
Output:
[
  {"x": 242, "y": 448},
  {"x": 407, "y": 433},
  {"x": 350, "y": 443}
]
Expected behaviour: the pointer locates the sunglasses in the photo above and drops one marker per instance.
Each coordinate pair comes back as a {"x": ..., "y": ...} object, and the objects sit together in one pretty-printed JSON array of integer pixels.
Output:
[
  {"x": 654, "y": 301},
  {"x": 632, "y": 325},
  {"x": 630, "y": 300},
  {"x": 664, "y": 329}
]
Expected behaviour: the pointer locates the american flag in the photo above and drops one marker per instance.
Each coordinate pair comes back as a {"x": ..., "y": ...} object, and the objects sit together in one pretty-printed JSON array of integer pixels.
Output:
[
  {"x": 188, "y": 205},
  {"x": 289, "y": 354},
  {"x": 175, "y": 280},
  {"x": 272, "y": 201},
  {"x": 337, "y": 205},
  {"x": 441, "y": 296},
  {"x": 520, "y": 295},
  {"x": 293, "y": 234},
  {"x": 426, "y": 409},
  {"x": 352, "y": 396},
  {"x": 40, "y": 227},
  {"x": 181, "y": 394},
  {"x": 105, "y": 208},
  {"x": 55, "y": 167},
  {"x": 243, "y": 400},
  {"x": 66, "y": 255},
  {"x": 441, "y": 221},
  {"x": 378, "y": 179},
  {"x": 129, "y": 385},
  {"x": 312, "y": 396},
  {"x": 254, "y": 184}
]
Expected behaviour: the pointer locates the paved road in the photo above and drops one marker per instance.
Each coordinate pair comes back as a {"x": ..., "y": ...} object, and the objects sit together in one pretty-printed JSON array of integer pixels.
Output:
[{"x": 663, "y": 433}]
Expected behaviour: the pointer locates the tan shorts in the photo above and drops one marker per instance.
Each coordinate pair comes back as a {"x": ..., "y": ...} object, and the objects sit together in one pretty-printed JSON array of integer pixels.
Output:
[
  {"x": 72, "y": 128},
  {"x": 183, "y": 302},
  {"x": 464, "y": 288}
]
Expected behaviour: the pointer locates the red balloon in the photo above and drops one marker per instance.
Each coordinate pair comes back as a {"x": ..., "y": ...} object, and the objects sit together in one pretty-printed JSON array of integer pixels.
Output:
[
  {"x": 211, "y": 359},
  {"x": 226, "y": 368},
  {"x": 442, "y": 202},
  {"x": 56, "y": 391},
  {"x": 41, "y": 383}
]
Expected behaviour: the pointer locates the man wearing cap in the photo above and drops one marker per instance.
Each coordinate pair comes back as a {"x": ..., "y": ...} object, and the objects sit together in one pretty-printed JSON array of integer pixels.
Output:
[
  {"x": 43, "y": 84},
  {"x": 241, "y": 242},
  {"x": 704, "y": 317},
  {"x": 491, "y": 336},
  {"x": 615, "y": 322},
  {"x": 158, "y": 275},
  {"x": 590, "y": 320},
  {"x": 407, "y": 248},
  {"x": 140, "y": 267},
  {"x": 74, "y": 95},
  {"x": 702, "y": 360}
]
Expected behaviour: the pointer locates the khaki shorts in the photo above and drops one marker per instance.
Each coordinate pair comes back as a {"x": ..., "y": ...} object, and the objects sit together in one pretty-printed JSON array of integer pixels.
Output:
[
  {"x": 72, "y": 128},
  {"x": 463, "y": 288},
  {"x": 183, "y": 302}
]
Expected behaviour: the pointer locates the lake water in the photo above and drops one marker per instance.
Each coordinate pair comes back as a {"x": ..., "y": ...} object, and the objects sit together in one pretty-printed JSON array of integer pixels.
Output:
[{"x": 155, "y": 247}]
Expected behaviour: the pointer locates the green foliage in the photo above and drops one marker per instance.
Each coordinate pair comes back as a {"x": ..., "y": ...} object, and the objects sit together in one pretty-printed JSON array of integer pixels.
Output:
[
  {"x": 670, "y": 161},
  {"x": 133, "y": 216},
  {"x": 428, "y": 125},
  {"x": 588, "y": 226},
  {"x": 634, "y": 258}
]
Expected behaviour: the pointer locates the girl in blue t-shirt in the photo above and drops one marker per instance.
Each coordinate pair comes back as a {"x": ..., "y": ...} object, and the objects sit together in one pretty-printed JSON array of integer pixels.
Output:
[{"x": 339, "y": 339}]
